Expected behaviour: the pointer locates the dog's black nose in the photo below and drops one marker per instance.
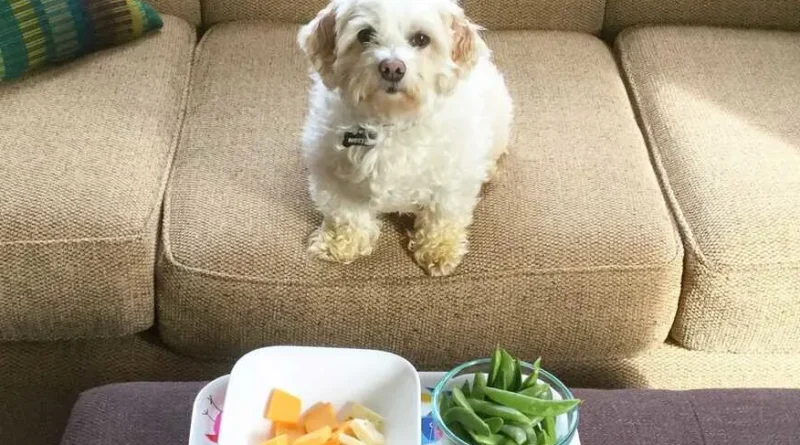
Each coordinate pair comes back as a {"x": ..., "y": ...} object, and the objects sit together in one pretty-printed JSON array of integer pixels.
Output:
[{"x": 392, "y": 69}]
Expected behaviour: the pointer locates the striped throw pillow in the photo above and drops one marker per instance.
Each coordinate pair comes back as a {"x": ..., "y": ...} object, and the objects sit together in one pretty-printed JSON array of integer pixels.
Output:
[{"x": 35, "y": 33}]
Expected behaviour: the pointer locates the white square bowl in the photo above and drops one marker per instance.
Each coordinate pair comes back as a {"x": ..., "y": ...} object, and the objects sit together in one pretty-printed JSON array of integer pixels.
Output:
[{"x": 383, "y": 382}]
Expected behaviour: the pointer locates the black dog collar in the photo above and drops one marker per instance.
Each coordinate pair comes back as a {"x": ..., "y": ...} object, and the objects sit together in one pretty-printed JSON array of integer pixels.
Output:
[{"x": 361, "y": 137}]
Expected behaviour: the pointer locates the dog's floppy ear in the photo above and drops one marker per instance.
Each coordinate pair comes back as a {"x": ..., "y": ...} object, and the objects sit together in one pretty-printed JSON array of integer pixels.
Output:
[
  {"x": 317, "y": 39},
  {"x": 468, "y": 46}
]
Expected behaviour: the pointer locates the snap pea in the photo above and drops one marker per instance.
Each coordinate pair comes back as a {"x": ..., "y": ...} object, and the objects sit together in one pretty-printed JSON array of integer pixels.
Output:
[
  {"x": 516, "y": 433},
  {"x": 465, "y": 388},
  {"x": 516, "y": 382},
  {"x": 530, "y": 435},
  {"x": 542, "y": 438},
  {"x": 537, "y": 390},
  {"x": 494, "y": 366},
  {"x": 445, "y": 404},
  {"x": 495, "y": 423},
  {"x": 491, "y": 410},
  {"x": 509, "y": 441},
  {"x": 478, "y": 386},
  {"x": 506, "y": 374},
  {"x": 487, "y": 439},
  {"x": 549, "y": 425},
  {"x": 462, "y": 434},
  {"x": 533, "y": 377},
  {"x": 531, "y": 406},
  {"x": 460, "y": 399},
  {"x": 536, "y": 421},
  {"x": 468, "y": 419}
]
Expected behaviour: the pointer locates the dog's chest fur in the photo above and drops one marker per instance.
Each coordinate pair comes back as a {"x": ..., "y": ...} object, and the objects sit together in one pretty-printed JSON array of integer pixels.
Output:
[
  {"x": 443, "y": 153},
  {"x": 401, "y": 171}
]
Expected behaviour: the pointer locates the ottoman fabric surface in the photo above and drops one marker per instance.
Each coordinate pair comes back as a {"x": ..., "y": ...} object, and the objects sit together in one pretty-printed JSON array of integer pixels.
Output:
[
  {"x": 720, "y": 108},
  {"x": 159, "y": 414},
  {"x": 575, "y": 222}
]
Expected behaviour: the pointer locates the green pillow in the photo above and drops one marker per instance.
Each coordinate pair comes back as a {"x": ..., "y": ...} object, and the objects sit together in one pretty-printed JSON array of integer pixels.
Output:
[{"x": 34, "y": 33}]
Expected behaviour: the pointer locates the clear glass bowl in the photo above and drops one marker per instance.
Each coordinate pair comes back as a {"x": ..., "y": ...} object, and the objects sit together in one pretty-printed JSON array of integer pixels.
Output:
[{"x": 566, "y": 424}]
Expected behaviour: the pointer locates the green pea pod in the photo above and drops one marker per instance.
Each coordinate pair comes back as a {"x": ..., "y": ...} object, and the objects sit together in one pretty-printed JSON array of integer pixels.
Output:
[
  {"x": 530, "y": 435},
  {"x": 445, "y": 403},
  {"x": 542, "y": 438},
  {"x": 478, "y": 387},
  {"x": 506, "y": 370},
  {"x": 491, "y": 410},
  {"x": 465, "y": 389},
  {"x": 487, "y": 439},
  {"x": 533, "y": 377},
  {"x": 516, "y": 434},
  {"x": 495, "y": 423},
  {"x": 538, "y": 390},
  {"x": 460, "y": 399},
  {"x": 494, "y": 366},
  {"x": 549, "y": 425},
  {"x": 468, "y": 419},
  {"x": 536, "y": 421},
  {"x": 531, "y": 406},
  {"x": 516, "y": 382},
  {"x": 460, "y": 432}
]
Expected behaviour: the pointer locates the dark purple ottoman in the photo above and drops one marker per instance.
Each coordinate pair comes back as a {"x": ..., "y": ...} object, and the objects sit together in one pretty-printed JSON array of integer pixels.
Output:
[{"x": 159, "y": 413}]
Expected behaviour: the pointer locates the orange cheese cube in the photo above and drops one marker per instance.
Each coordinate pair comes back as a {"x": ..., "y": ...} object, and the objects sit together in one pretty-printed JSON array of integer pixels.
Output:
[
  {"x": 283, "y": 407},
  {"x": 278, "y": 440},
  {"x": 318, "y": 437},
  {"x": 291, "y": 431},
  {"x": 319, "y": 416}
]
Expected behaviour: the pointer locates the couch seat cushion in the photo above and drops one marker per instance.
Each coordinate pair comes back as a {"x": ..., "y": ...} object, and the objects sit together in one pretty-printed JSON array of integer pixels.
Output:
[
  {"x": 86, "y": 149},
  {"x": 572, "y": 251},
  {"x": 720, "y": 108}
]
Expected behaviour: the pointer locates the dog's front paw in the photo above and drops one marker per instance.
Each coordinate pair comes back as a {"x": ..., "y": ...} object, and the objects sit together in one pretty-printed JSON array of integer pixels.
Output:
[
  {"x": 439, "y": 251},
  {"x": 341, "y": 244}
]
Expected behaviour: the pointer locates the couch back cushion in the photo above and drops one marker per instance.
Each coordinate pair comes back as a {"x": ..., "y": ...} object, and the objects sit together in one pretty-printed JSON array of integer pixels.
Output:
[
  {"x": 773, "y": 14},
  {"x": 188, "y": 10},
  {"x": 571, "y": 15}
]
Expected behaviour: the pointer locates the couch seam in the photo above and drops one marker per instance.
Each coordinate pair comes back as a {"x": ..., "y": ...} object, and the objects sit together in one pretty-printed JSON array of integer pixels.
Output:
[
  {"x": 655, "y": 150},
  {"x": 409, "y": 280},
  {"x": 138, "y": 234},
  {"x": 167, "y": 202}
]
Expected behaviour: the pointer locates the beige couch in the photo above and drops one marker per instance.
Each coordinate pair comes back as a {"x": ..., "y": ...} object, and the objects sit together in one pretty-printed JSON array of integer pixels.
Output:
[{"x": 644, "y": 233}]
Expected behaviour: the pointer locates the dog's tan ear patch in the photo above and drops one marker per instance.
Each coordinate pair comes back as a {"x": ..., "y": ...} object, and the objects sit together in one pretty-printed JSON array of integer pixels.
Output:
[
  {"x": 468, "y": 46},
  {"x": 317, "y": 39},
  {"x": 463, "y": 47}
]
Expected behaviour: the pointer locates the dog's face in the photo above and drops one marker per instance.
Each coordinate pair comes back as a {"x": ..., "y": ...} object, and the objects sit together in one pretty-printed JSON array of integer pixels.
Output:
[{"x": 388, "y": 58}]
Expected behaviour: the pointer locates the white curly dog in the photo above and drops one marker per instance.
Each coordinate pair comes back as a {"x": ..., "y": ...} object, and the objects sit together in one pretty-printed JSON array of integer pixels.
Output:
[{"x": 407, "y": 114}]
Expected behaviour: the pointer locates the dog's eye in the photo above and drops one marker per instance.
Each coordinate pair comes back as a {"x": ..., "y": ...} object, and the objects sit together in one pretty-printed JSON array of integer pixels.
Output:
[
  {"x": 366, "y": 35},
  {"x": 420, "y": 40}
]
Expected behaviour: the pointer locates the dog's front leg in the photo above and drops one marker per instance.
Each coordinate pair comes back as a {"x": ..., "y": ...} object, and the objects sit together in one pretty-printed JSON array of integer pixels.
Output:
[
  {"x": 439, "y": 241},
  {"x": 349, "y": 230}
]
